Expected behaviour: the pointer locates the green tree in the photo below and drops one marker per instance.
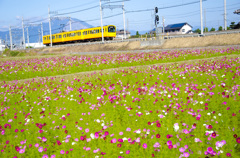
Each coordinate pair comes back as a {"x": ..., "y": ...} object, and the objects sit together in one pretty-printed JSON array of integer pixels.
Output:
[
  {"x": 197, "y": 31},
  {"x": 213, "y": 29},
  {"x": 232, "y": 26},
  {"x": 220, "y": 28},
  {"x": 205, "y": 29},
  {"x": 137, "y": 33},
  {"x": 228, "y": 28}
]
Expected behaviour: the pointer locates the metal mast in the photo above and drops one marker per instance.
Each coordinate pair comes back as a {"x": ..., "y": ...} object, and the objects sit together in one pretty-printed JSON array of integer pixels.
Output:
[
  {"x": 225, "y": 15},
  {"x": 50, "y": 25},
  {"x": 24, "y": 46},
  {"x": 10, "y": 34},
  {"x": 27, "y": 37},
  {"x": 124, "y": 21},
  {"x": 42, "y": 31},
  {"x": 101, "y": 20},
  {"x": 201, "y": 18}
]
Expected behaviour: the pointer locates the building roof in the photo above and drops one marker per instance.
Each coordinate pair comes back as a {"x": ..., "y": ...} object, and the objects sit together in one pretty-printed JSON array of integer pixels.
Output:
[{"x": 176, "y": 26}]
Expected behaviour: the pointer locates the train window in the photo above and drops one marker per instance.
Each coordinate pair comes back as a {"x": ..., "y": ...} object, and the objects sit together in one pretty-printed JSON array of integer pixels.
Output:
[
  {"x": 64, "y": 36},
  {"x": 72, "y": 34},
  {"x": 44, "y": 38},
  {"x": 79, "y": 33},
  {"x": 53, "y": 37},
  {"x": 88, "y": 32},
  {"x": 60, "y": 36},
  {"x": 111, "y": 29}
]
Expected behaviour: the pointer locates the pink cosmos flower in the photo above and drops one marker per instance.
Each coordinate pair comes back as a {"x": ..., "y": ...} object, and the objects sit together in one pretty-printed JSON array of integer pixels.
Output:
[
  {"x": 114, "y": 140},
  {"x": 144, "y": 145},
  {"x": 37, "y": 145},
  {"x": 186, "y": 154},
  {"x": 21, "y": 151},
  {"x": 62, "y": 152},
  {"x": 53, "y": 156},
  {"x": 45, "y": 156},
  {"x": 128, "y": 151},
  {"x": 86, "y": 130},
  {"x": 182, "y": 149},
  {"x": 40, "y": 149}
]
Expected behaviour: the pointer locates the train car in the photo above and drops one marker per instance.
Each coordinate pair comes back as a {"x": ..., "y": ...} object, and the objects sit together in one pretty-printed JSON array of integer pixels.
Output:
[{"x": 84, "y": 35}]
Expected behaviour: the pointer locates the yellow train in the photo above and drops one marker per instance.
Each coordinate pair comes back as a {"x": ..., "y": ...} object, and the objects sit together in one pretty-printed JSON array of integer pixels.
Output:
[{"x": 84, "y": 35}]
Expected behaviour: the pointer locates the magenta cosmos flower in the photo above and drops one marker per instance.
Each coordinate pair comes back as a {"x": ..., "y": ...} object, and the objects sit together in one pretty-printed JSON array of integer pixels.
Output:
[
  {"x": 144, "y": 145},
  {"x": 238, "y": 140}
]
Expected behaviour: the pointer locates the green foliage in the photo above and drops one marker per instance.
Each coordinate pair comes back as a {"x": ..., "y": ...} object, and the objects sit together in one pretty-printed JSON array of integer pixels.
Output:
[
  {"x": 197, "y": 31},
  {"x": 220, "y": 28},
  {"x": 213, "y": 29},
  {"x": 232, "y": 26},
  {"x": 205, "y": 29},
  {"x": 14, "y": 53},
  {"x": 137, "y": 33}
]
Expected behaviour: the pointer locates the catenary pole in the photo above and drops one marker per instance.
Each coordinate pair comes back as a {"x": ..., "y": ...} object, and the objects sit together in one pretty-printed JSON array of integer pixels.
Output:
[
  {"x": 27, "y": 37},
  {"x": 124, "y": 21},
  {"x": 24, "y": 46},
  {"x": 50, "y": 25},
  {"x": 70, "y": 21},
  {"x": 101, "y": 20},
  {"x": 201, "y": 17},
  {"x": 10, "y": 34},
  {"x": 225, "y": 14},
  {"x": 42, "y": 31}
]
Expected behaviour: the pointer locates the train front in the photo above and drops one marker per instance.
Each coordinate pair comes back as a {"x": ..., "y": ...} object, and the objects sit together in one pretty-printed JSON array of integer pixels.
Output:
[{"x": 111, "y": 32}]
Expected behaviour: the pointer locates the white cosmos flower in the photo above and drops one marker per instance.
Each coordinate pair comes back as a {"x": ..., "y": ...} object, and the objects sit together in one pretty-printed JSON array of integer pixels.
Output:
[
  {"x": 219, "y": 114},
  {"x": 92, "y": 136},
  {"x": 98, "y": 121},
  {"x": 74, "y": 143}
]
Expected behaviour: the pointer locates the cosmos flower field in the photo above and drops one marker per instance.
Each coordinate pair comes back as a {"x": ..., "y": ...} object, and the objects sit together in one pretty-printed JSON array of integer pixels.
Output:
[{"x": 172, "y": 109}]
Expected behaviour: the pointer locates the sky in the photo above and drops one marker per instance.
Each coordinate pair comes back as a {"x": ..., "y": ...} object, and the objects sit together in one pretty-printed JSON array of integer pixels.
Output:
[{"x": 12, "y": 11}]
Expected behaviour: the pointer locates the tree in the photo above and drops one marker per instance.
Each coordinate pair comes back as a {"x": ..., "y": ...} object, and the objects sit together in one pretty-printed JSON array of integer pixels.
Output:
[
  {"x": 232, "y": 26},
  {"x": 228, "y": 28},
  {"x": 205, "y": 29},
  {"x": 213, "y": 29},
  {"x": 137, "y": 33},
  {"x": 197, "y": 31},
  {"x": 220, "y": 28}
]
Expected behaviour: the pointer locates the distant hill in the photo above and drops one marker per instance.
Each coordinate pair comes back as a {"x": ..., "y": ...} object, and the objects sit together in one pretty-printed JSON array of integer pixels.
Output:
[{"x": 58, "y": 25}]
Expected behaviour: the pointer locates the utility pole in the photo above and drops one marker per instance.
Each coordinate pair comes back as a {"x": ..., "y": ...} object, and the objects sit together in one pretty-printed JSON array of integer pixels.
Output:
[
  {"x": 6, "y": 39},
  {"x": 127, "y": 25},
  {"x": 124, "y": 20},
  {"x": 10, "y": 34},
  {"x": 205, "y": 30},
  {"x": 39, "y": 35},
  {"x": 24, "y": 45},
  {"x": 225, "y": 14},
  {"x": 27, "y": 37},
  {"x": 42, "y": 31},
  {"x": 101, "y": 20},
  {"x": 163, "y": 20},
  {"x": 50, "y": 25},
  {"x": 201, "y": 18},
  {"x": 70, "y": 21}
]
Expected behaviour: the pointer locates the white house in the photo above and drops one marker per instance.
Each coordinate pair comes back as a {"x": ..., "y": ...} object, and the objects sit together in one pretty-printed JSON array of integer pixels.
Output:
[
  {"x": 180, "y": 28},
  {"x": 2, "y": 45},
  {"x": 120, "y": 34},
  {"x": 35, "y": 45}
]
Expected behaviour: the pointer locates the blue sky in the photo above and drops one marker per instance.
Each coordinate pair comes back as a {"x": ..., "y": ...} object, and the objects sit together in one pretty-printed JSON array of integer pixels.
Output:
[{"x": 12, "y": 11}]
